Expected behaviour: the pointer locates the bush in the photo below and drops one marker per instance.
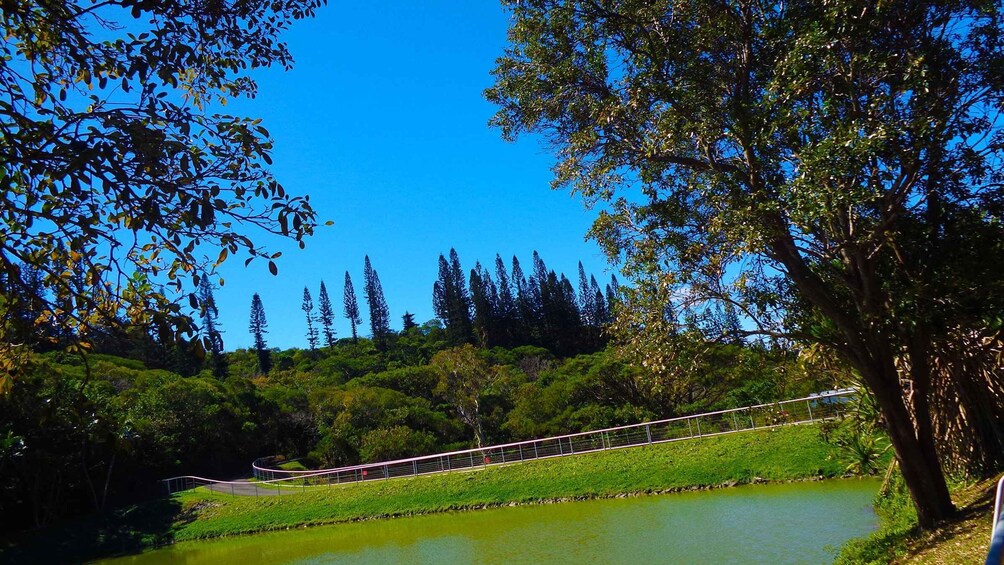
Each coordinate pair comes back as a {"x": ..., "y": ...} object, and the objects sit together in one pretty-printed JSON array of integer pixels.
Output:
[{"x": 398, "y": 442}]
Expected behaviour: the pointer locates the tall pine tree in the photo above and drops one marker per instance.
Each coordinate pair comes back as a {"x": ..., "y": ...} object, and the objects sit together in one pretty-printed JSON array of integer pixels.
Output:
[
  {"x": 351, "y": 305},
  {"x": 484, "y": 298},
  {"x": 507, "y": 313},
  {"x": 602, "y": 311},
  {"x": 258, "y": 328},
  {"x": 327, "y": 316},
  {"x": 450, "y": 300},
  {"x": 308, "y": 309},
  {"x": 213, "y": 339},
  {"x": 613, "y": 292},
  {"x": 587, "y": 299},
  {"x": 379, "y": 313},
  {"x": 527, "y": 307}
]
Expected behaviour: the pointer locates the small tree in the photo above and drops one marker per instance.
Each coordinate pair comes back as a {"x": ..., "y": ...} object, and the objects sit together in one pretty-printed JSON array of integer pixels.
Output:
[
  {"x": 258, "y": 328},
  {"x": 464, "y": 378},
  {"x": 408, "y": 321}
]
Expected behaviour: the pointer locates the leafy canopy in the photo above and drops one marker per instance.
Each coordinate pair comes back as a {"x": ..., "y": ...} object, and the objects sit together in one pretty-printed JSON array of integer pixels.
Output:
[
  {"x": 831, "y": 170},
  {"x": 117, "y": 174}
]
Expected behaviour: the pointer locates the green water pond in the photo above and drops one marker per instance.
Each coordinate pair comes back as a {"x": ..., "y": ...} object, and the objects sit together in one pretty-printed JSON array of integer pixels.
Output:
[{"x": 785, "y": 523}]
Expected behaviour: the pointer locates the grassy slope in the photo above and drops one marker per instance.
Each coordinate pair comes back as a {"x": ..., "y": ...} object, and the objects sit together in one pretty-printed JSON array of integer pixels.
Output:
[
  {"x": 963, "y": 539},
  {"x": 782, "y": 454}
]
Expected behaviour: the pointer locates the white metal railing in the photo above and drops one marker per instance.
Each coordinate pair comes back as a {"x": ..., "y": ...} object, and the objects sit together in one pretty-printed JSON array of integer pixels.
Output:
[
  {"x": 245, "y": 488},
  {"x": 813, "y": 408},
  {"x": 996, "y": 554}
]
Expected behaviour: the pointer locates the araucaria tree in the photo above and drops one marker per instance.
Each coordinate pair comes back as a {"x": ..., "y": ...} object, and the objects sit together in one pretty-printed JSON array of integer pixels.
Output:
[
  {"x": 326, "y": 316},
  {"x": 351, "y": 305},
  {"x": 451, "y": 301},
  {"x": 308, "y": 309},
  {"x": 212, "y": 340},
  {"x": 832, "y": 169},
  {"x": 379, "y": 314},
  {"x": 117, "y": 175},
  {"x": 258, "y": 328}
]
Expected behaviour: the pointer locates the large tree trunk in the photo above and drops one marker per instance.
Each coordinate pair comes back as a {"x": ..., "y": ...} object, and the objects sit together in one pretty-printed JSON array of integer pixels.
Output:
[
  {"x": 914, "y": 444},
  {"x": 871, "y": 354}
]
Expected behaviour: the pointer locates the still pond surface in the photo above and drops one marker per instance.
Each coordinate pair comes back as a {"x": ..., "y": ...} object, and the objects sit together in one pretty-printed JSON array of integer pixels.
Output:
[{"x": 790, "y": 523}]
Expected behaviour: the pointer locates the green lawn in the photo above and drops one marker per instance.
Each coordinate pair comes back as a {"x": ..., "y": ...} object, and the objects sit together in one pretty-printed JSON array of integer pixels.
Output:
[{"x": 790, "y": 453}]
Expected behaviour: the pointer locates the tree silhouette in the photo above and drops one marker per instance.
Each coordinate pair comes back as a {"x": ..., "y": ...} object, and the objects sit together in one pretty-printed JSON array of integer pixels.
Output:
[
  {"x": 212, "y": 339},
  {"x": 450, "y": 300},
  {"x": 258, "y": 328},
  {"x": 379, "y": 313},
  {"x": 327, "y": 316},
  {"x": 308, "y": 309},
  {"x": 351, "y": 306}
]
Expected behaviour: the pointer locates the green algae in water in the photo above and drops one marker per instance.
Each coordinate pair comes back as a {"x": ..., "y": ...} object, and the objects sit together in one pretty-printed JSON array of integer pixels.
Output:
[{"x": 785, "y": 523}]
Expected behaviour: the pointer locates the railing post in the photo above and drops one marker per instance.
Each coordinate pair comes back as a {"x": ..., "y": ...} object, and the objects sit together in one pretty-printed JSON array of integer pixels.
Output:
[
  {"x": 535, "y": 456},
  {"x": 414, "y": 468},
  {"x": 752, "y": 423},
  {"x": 698, "y": 420},
  {"x": 520, "y": 446},
  {"x": 735, "y": 422},
  {"x": 690, "y": 428},
  {"x": 571, "y": 447},
  {"x": 809, "y": 406},
  {"x": 648, "y": 432}
]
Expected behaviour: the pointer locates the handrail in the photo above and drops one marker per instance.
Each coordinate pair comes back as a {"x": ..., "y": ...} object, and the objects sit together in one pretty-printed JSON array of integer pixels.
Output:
[
  {"x": 314, "y": 472},
  {"x": 996, "y": 554},
  {"x": 813, "y": 408}
]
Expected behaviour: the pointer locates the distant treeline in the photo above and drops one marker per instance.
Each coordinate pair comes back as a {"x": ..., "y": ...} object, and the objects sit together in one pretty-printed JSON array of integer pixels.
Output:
[
  {"x": 501, "y": 307},
  {"x": 508, "y": 309}
]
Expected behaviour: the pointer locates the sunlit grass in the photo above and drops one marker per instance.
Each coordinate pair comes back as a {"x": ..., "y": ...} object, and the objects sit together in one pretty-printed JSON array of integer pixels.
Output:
[
  {"x": 790, "y": 453},
  {"x": 781, "y": 454}
]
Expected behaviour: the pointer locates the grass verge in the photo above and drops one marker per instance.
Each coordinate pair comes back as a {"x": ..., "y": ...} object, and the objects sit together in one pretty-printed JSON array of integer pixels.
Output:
[
  {"x": 962, "y": 539},
  {"x": 790, "y": 453}
]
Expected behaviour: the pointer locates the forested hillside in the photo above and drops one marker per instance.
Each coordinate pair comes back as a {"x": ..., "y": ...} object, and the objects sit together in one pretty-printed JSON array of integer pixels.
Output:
[{"x": 512, "y": 358}]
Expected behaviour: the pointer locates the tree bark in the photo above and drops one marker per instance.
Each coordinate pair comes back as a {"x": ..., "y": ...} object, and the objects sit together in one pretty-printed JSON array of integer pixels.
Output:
[
  {"x": 914, "y": 445},
  {"x": 870, "y": 353}
]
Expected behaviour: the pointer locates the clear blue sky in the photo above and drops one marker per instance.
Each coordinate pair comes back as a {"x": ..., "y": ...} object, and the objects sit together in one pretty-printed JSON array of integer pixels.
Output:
[{"x": 383, "y": 123}]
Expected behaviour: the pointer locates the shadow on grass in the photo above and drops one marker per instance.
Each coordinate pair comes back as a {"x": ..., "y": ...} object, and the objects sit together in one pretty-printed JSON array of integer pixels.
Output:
[
  {"x": 974, "y": 513},
  {"x": 118, "y": 532}
]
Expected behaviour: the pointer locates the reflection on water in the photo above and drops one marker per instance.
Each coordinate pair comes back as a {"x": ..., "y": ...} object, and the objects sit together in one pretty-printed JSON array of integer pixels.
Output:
[{"x": 794, "y": 523}]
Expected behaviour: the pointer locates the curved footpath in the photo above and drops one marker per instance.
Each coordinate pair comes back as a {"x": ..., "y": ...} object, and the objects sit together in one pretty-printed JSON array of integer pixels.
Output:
[{"x": 814, "y": 408}]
